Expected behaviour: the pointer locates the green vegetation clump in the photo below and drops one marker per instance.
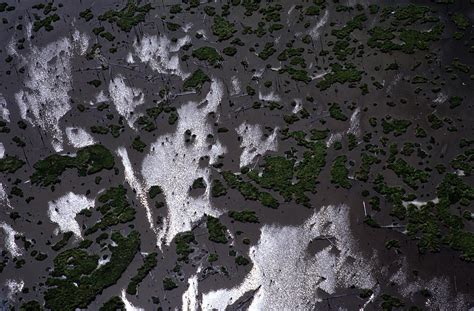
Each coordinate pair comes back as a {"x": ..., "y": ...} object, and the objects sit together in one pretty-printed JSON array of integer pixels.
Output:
[
  {"x": 249, "y": 191},
  {"x": 290, "y": 53},
  {"x": 392, "y": 244},
  {"x": 217, "y": 231},
  {"x": 410, "y": 175},
  {"x": 340, "y": 74},
  {"x": 115, "y": 209},
  {"x": 10, "y": 164},
  {"x": 342, "y": 49},
  {"x": 129, "y": 16},
  {"x": 268, "y": 50},
  {"x": 169, "y": 284},
  {"x": 244, "y": 216},
  {"x": 212, "y": 257},
  {"x": 31, "y": 305},
  {"x": 389, "y": 302},
  {"x": 210, "y": 10},
  {"x": 461, "y": 21},
  {"x": 366, "y": 162},
  {"x": 175, "y": 9},
  {"x": 455, "y": 101},
  {"x": 397, "y": 36},
  {"x": 229, "y": 51},
  {"x": 464, "y": 161},
  {"x": 88, "y": 160},
  {"x": 208, "y": 54},
  {"x": 19, "y": 142},
  {"x": 434, "y": 224},
  {"x": 4, "y": 7},
  {"x": 98, "y": 129},
  {"x": 95, "y": 83},
  {"x": 149, "y": 263},
  {"x": 218, "y": 188},
  {"x": 383, "y": 39},
  {"x": 113, "y": 304},
  {"x": 45, "y": 22},
  {"x": 199, "y": 183},
  {"x": 76, "y": 278},
  {"x": 154, "y": 191},
  {"x": 368, "y": 220},
  {"x": 435, "y": 122},
  {"x": 138, "y": 144},
  {"x": 172, "y": 26},
  {"x": 339, "y": 172},
  {"x": 394, "y": 195},
  {"x": 398, "y": 127},
  {"x": 335, "y": 112},
  {"x": 107, "y": 35},
  {"x": 86, "y": 15},
  {"x": 3, "y": 125},
  {"x": 296, "y": 74},
  {"x": 241, "y": 260},
  {"x": 196, "y": 80},
  {"x": 63, "y": 242},
  {"x": 148, "y": 122},
  {"x": 291, "y": 179},
  {"x": 222, "y": 28},
  {"x": 462, "y": 67},
  {"x": 172, "y": 118},
  {"x": 355, "y": 23},
  {"x": 183, "y": 241}
]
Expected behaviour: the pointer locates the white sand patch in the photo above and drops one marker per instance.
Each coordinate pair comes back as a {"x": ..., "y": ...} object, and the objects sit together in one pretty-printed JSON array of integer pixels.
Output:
[
  {"x": 441, "y": 98},
  {"x": 298, "y": 105},
  {"x": 187, "y": 27},
  {"x": 288, "y": 13},
  {"x": 236, "y": 89},
  {"x": 173, "y": 165},
  {"x": 63, "y": 211},
  {"x": 9, "y": 240},
  {"x": 370, "y": 300},
  {"x": 443, "y": 296},
  {"x": 419, "y": 203},
  {"x": 291, "y": 9},
  {"x": 161, "y": 54},
  {"x": 4, "y": 112},
  {"x": 48, "y": 82},
  {"x": 4, "y": 201},
  {"x": 189, "y": 298},
  {"x": 287, "y": 277},
  {"x": 129, "y": 58},
  {"x": 101, "y": 97},
  {"x": 253, "y": 142},
  {"x": 394, "y": 83},
  {"x": 137, "y": 185},
  {"x": 354, "y": 127},
  {"x": 314, "y": 32},
  {"x": 126, "y": 99},
  {"x": 258, "y": 73},
  {"x": 78, "y": 137},
  {"x": 333, "y": 138},
  {"x": 14, "y": 287},
  {"x": 128, "y": 305},
  {"x": 270, "y": 97},
  {"x": 320, "y": 75},
  {"x": 2, "y": 150},
  {"x": 203, "y": 33},
  {"x": 81, "y": 40},
  {"x": 102, "y": 261}
]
